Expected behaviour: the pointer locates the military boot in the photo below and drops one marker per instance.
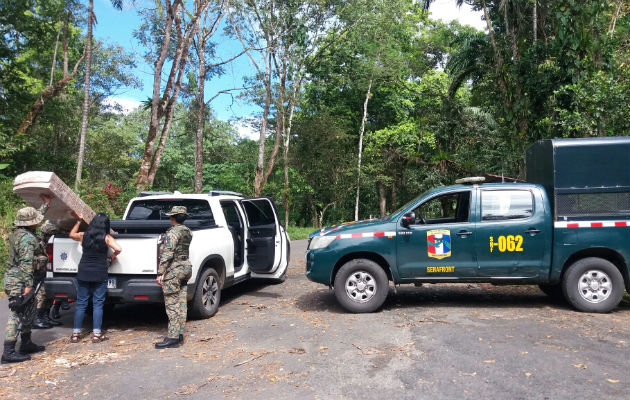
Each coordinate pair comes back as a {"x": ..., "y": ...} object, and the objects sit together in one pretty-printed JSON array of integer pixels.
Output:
[
  {"x": 41, "y": 322},
  {"x": 168, "y": 342},
  {"x": 27, "y": 346},
  {"x": 50, "y": 321},
  {"x": 10, "y": 355}
]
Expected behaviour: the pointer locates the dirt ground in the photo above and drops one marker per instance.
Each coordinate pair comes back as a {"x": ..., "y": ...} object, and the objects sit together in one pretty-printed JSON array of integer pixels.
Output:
[{"x": 293, "y": 341}]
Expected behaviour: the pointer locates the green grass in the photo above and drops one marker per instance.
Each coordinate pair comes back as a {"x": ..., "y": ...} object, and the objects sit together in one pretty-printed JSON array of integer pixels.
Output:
[{"x": 299, "y": 232}]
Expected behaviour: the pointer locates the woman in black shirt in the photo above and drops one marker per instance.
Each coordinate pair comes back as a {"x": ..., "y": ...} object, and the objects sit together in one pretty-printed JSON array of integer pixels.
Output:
[{"x": 92, "y": 275}]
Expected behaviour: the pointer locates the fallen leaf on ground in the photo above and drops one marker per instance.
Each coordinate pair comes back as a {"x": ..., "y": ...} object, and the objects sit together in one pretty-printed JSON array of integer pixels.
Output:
[
  {"x": 580, "y": 366},
  {"x": 613, "y": 380},
  {"x": 490, "y": 361},
  {"x": 528, "y": 374}
]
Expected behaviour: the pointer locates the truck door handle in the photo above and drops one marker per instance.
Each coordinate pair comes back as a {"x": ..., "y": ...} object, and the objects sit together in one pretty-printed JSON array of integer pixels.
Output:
[
  {"x": 532, "y": 231},
  {"x": 464, "y": 234}
]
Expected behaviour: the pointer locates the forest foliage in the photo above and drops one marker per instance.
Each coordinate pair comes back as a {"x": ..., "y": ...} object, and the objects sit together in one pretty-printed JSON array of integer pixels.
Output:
[{"x": 442, "y": 100}]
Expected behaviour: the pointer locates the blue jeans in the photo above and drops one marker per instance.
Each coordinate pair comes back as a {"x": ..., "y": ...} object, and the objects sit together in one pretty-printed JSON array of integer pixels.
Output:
[{"x": 98, "y": 291}]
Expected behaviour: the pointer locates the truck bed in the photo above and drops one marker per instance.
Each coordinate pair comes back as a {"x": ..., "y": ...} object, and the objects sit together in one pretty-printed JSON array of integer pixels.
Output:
[{"x": 139, "y": 259}]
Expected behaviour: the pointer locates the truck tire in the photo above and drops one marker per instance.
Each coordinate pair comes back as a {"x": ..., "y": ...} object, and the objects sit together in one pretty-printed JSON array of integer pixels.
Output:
[
  {"x": 207, "y": 296},
  {"x": 593, "y": 285},
  {"x": 553, "y": 291},
  {"x": 361, "y": 286}
]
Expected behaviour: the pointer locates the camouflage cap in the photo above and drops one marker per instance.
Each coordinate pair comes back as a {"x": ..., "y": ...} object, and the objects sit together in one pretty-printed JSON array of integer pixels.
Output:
[
  {"x": 28, "y": 216},
  {"x": 177, "y": 210}
]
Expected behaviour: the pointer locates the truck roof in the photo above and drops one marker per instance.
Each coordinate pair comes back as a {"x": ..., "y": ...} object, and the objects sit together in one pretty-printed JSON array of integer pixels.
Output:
[
  {"x": 177, "y": 195},
  {"x": 505, "y": 185}
]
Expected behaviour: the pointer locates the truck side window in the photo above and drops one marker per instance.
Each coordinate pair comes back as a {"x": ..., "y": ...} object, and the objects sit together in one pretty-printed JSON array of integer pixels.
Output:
[
  {"x": 230, "y": 212},
  {"x": 448, "y": 208},
  {"x": 499, "y": 205},
  {"x": 156, "y": 209},
  {"x": 259, "y": 213}
]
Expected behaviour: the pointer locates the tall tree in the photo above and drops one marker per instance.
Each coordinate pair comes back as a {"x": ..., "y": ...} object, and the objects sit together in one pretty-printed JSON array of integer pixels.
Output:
[
  {"x": 86, "y": 86},
  {"x": 205, "y": 30},
  {"x": 170, "y": 29}
]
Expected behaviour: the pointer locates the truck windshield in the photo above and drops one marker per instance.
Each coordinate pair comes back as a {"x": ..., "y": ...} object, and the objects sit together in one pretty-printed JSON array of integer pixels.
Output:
[
  {"x": 403, "y": 208},
  {"x": 155, "y": 210}
]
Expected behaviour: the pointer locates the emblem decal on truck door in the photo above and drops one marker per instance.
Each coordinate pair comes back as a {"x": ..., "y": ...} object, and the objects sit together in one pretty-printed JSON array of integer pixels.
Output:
[{"x": 439, "y": 243}]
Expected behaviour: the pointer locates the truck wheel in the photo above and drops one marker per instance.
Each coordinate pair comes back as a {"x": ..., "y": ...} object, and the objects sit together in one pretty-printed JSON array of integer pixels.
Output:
[
  {"x": 361, "y": 286},
  {"x": 207, "y": 296},
  {"x": 593, "y": 285},
  {"x": 553, "y": 291}
]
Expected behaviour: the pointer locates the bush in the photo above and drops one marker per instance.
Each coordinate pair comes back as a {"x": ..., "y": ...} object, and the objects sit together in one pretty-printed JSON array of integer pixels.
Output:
[{"x": 9, "y": 204}]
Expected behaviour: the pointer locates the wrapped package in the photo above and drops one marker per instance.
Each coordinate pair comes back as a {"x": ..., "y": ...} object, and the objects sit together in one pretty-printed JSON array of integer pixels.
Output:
[{"x": 30, "y": 185}]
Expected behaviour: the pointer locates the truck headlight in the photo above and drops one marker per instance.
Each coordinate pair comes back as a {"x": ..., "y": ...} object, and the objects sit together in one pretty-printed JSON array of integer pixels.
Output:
[{"x": 319, "y": 242}]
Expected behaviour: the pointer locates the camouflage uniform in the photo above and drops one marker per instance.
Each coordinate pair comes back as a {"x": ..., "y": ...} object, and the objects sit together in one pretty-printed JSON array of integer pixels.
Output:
[
  {"x": 24, "y": 252},
  {"x": 47, "y": 230},
  {"x": 175, "y": 269}
]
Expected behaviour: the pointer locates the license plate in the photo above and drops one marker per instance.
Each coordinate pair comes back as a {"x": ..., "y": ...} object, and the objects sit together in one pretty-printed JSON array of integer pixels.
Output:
[{"x": 111, "y": 283}]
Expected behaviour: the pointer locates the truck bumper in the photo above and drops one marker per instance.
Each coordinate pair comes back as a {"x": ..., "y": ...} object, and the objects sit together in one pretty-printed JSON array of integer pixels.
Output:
[
  {"x": 319, "y": 266},
  {"x": 128, "y": 289}
]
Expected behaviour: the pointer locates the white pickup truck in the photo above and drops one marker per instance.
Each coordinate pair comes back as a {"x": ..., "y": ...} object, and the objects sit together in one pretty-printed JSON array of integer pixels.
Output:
[{"x": 234, "y": 239}]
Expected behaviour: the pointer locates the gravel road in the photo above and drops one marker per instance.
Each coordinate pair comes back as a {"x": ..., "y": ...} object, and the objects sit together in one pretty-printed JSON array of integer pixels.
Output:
[{"x": 293, "y": 341}]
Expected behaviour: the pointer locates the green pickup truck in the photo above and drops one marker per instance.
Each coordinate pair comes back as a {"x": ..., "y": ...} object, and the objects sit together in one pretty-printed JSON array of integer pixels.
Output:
[{"x": 567, "y": 229}]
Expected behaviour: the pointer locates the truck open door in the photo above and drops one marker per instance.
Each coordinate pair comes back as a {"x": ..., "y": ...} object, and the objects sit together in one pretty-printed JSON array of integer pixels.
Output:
[{"x": 265, "y": 242}]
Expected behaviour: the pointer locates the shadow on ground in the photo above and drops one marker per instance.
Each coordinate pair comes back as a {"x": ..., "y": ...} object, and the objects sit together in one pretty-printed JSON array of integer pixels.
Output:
[{"x": 460, "y": 296}]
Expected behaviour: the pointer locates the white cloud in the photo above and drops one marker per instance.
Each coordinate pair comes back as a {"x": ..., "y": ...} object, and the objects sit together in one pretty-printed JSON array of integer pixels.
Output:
[
  {"x": 447, "y": 10},
  {"x": 246, "y": 130},
  {"x": 121, "y": 105}
]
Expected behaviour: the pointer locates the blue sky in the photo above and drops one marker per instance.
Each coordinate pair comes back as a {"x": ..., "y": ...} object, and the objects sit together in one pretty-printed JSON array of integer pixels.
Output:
[{"x": 117, "y": 27}]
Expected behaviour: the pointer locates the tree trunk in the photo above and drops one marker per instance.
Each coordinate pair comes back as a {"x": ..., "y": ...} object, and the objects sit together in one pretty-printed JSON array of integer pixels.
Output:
[
  {"x": 86, "y": 96},
  {"x": 279, "y": 125},
  {"x": 52, "y": 90},
  {"x": 162, "y": 107},
  {"x": 201, "y": 111},
  {"x": 493, "y": 40},
  {"x": 54, "y": 60},
  {"x": 142, "y": 181},
  {"x": 394, "y": 204},
  {"x": 363, "y": 119},
  {"x": 382, "y": 199},
  {"x": 285, "y": 150},
  {"x": 320, "y": 220},
  {"x": 64, "y": 43},
  {"x": 535, "y": 20},
  {"x": 260, "y": 162}
]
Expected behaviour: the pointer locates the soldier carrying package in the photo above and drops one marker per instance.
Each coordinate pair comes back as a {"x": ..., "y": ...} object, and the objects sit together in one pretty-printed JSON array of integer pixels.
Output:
[
  {"x": 25, "y": 252},
  {"x": 173, "y": 274}
]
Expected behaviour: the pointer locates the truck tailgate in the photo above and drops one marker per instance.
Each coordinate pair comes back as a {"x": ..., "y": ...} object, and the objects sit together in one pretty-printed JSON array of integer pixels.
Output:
[{"x": 138, "y": 256}]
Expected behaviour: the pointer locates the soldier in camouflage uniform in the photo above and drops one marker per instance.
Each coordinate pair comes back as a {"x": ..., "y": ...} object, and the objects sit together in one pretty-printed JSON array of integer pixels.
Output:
[
  {"x": 173, "y": 274},
  {"x": 42, "y": 321},
  {"x": 24, "y": 251}
]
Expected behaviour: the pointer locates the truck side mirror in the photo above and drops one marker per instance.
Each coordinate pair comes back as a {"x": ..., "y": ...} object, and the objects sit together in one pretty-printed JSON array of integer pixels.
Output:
[{"x": 408, "y": 219}]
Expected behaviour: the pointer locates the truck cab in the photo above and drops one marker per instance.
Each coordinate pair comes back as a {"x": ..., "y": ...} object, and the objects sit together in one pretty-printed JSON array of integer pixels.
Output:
[
  {"x": 494, "y": 232},
  {"x": 234, "y": 239}
]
